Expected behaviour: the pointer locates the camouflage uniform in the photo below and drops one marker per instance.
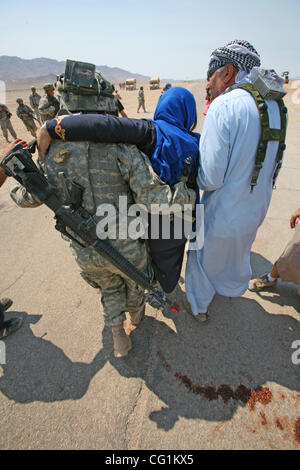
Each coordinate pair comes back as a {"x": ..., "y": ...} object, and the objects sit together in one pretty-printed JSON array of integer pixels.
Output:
[
  {"x": 5, "y": 123},
  {"x": 141, "y": 100},
  {"x": 48, "y": 107},
  {"x": 25, "y": 113},
  {"x": 34, "y": 100},
  {"x": 108, "y": 171}
]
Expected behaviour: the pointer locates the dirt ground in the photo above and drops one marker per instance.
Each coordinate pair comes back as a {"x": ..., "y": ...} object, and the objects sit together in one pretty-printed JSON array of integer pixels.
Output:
[{"x": 230, "y": 384}]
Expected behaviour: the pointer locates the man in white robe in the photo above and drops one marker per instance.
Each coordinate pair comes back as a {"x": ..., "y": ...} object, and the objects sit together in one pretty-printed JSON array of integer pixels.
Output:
[{"x": 232, "y": 213}]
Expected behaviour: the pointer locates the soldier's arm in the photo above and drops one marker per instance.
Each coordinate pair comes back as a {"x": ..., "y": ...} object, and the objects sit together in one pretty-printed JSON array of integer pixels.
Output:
[
  {"x": 44, "y": 106},
  {"x": 146, "y": 186}
]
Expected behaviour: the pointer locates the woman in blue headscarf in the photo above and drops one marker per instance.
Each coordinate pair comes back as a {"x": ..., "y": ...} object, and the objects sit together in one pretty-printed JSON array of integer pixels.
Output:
[{"x": 167, "y": 140}]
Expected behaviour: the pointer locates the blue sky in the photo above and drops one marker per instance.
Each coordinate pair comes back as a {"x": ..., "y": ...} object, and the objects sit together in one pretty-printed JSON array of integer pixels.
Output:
[{"x": 171, "y": 39}]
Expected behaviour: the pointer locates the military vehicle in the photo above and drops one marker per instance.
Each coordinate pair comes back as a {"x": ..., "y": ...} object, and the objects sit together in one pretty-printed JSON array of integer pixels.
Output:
[
  {"x": 83, "y": 89},
  {"x": 130, "y": 84},
  {"x": 154, "y": 83}
]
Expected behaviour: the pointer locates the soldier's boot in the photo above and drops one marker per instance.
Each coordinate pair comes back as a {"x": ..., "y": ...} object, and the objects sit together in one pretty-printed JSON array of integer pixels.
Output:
[
  {"x": 122, "y": 342},
  {"x": 5, "y": 304},
  {"x": 136, "y": 316}
]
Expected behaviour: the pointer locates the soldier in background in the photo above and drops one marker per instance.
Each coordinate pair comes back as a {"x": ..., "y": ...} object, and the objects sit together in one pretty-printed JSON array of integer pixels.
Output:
[
  {"x": 49, "y": 105},
  {"x": 34, "y": 100},
  {"x": 141, "y": 100},
  {"x": 121, "y": 109},
  {"x": 5, "y": 123},
  {"x": 25, "y": 113}
]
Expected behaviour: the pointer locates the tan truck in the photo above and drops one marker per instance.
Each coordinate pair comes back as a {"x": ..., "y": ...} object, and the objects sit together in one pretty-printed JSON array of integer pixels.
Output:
[
  {"x": 154, "y": 83},
  {"x": 130, "y": 84}
]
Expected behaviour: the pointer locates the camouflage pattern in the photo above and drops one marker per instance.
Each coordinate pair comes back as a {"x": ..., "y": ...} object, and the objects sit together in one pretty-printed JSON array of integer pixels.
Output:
[
  {"x": 26, "y": 114},
  {"x": 48, "y": 107},
  {"x": 5, "y": 123},
  {"x": 90, "y": 93},
  {"x": 34, "y": 100},
  {"x": 71, "y": 103},
  {"x": 108, "y": 171},
  {"x": 141, "y": 100},
  {"x": 4, "y": 113},
  {"x": 23, "y": 198}
]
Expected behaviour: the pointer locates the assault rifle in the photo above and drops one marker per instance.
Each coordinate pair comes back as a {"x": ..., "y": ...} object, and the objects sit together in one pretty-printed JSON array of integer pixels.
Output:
[{"x": 19, "y": 164}]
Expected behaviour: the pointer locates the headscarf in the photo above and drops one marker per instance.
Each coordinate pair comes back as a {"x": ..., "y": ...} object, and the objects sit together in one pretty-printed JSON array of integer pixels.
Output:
[
  {"x": 174, "y": 116},
  {"x": 239, "y": 53}
]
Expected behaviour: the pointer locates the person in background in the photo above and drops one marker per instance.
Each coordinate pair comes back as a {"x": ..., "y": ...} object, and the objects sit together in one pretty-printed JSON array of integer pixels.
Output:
[
  {"x": 5, "y": 123},
  {"x": 141, "y": 100},
  {"x": 121, "y": 109},
  {"x": 25, "y": 113},
  {"x": 49, "y": 105},
  {"x": 34, "y": 100}
]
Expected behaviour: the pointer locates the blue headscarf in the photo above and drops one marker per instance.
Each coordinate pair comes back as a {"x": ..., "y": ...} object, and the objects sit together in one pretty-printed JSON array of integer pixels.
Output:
[{"x": 174, "y": 115}]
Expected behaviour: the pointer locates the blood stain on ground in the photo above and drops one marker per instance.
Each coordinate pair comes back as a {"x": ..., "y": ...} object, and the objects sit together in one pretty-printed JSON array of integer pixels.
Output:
[
  {"x": 263, "y": 418},
  {"x": 297, "y": 430},
  {"x": 279, "y": 425},
  {"x": 261, "y": 395}
]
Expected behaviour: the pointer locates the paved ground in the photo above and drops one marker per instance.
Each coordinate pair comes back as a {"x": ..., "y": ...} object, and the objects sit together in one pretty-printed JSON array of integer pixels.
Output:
[{"x": 230, "y": 384}]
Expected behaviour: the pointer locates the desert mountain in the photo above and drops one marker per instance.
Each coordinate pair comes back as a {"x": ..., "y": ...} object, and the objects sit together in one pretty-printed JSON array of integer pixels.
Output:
[{"x": 18, "y": 72}]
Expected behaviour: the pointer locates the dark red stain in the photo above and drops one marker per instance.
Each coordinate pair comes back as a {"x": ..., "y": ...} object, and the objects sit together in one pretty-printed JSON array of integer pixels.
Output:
[
  {"x": 247, "y": 395},
  {"x": 263, "y": 418},
  {"x": 297, "y": 430},
  {"x": 279, "y": 425},
  {"x": 261, "y": 395}
]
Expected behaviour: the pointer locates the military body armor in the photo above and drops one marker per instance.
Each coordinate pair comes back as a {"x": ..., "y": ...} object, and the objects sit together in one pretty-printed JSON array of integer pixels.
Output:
[{"x": 82, "y": 89}]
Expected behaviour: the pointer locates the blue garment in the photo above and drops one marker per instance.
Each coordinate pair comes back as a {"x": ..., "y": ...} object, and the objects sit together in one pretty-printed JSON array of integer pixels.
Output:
[{"x": 174, "y": 116}]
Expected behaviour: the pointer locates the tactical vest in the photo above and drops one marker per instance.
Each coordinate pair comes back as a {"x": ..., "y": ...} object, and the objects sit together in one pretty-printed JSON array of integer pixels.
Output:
[
  {"x": 267, "y": 134},
  {"x": 91, "y": 165}
]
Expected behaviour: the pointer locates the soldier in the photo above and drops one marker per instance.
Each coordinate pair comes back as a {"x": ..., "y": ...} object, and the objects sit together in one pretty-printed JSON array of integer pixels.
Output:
[
  {"x": 141, "y": 100},
  {"x": 5, "y": 123},
  {"x": 49, "y": 105},
  {"x": 25, "y": 113},
  {"x": 106, "y": 172},
  {"x": 34, "y": 100}
]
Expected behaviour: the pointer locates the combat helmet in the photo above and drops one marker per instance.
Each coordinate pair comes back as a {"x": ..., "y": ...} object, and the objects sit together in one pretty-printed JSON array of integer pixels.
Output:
[
  {"x": 83, "y": 89},
  {"x": 48, "y": 86}
]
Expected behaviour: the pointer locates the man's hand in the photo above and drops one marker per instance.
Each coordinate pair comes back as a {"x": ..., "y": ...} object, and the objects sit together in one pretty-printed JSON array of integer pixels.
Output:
[
  {"x": 43, "y": 142},
  {"x": 5, "y": 152},
  {"x": 295, "y": 218}
]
